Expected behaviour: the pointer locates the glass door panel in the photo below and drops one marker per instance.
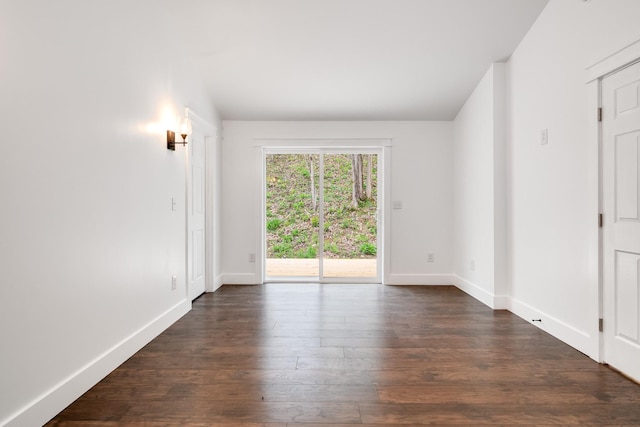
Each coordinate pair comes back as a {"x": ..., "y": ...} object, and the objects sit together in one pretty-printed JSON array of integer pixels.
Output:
[
  {"x": 292, "y": 215},
  {"x": 349, "y": 226}
]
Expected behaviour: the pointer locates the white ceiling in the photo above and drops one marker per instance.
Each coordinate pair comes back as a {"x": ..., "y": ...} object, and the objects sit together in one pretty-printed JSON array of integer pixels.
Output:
[{"x": 349, "y": 59}]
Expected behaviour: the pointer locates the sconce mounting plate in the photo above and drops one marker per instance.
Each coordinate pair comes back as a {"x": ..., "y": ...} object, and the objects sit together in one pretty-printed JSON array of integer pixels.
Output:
[{"x": 171, "y": 140}]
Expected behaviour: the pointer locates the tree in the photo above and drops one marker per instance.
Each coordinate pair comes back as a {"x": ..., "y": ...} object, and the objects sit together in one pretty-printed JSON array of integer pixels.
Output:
[
  {"x": 369, "y": 173},
  {"x": 356, "y": 170},
  {"x": 312, "y": 175}
]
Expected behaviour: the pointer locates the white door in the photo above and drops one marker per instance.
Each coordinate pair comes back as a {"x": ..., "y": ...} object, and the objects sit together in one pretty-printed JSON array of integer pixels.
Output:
[
  {"x": 621, "y": 232},
  {"x": 196, "y": 218}
]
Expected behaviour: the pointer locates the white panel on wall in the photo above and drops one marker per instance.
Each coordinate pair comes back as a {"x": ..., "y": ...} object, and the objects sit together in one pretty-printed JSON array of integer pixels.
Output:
[
  {"x": 627, "y": 162},
  {"x": 627, "y": 289}
]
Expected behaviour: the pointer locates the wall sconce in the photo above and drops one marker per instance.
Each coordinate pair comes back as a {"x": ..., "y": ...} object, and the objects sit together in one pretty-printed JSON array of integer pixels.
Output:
[{"x": 185, "y": 130}]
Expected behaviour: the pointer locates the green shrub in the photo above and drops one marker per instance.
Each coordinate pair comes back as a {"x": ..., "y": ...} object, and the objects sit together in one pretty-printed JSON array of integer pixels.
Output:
[
  {"x": 308, "y": 252},
  {"x": 274, "y": 224},
  {"x": 368, "y": 249},
  {"x": 303, "y": 170},
  {"x": 283, "y": 250},
  {"x": 366, "y": 203},
  {"x": 315, "y": 221},
  {"x": 331, "y": 247}
]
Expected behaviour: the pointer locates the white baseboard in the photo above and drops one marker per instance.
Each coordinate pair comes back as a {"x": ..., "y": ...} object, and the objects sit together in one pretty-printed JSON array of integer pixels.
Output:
[
  {"x": 50, "y": 403},
  {"x": 394, "y": 279},
  {"x": 218, "y": 282},
  {"x": 501, "y": 302},
  {"x": 420, "y": 279},
  {"x": 496, "y": 302},
  {"x": 576, "y": 338},
  {"x": 241, "y": 279}
]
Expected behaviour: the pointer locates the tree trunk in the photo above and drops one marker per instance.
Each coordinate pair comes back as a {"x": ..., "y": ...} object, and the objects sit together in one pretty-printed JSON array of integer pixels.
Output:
[
  {"x": 369, "y": 172},
  {"x": 312, "y": 176},
  {"x": 356, "y": 169}
]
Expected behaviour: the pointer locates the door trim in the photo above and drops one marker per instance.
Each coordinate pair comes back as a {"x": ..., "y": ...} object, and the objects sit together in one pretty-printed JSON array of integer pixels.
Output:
[{"x": 614, "y": 61}]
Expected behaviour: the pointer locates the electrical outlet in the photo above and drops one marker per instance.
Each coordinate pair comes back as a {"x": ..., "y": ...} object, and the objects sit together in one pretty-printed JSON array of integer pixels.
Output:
[
  {"x": 544, "y": 137},
  {"x": 252, "y": 257},
  {"x": 174, "y": 283},
  {"x": 473, "y": 265},
  {"x": 430, "y": 257}
]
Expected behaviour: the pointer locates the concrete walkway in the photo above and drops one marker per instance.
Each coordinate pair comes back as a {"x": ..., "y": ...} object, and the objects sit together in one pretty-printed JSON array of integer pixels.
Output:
[{"x": 280, "y": 267}]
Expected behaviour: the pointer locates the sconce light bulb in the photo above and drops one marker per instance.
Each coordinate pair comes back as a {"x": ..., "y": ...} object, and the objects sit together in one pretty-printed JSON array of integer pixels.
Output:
[{"x": 185, "y": 127}]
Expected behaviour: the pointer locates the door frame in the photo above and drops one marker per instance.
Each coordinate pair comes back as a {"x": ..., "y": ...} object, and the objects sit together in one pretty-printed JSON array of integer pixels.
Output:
[
  {"x": 382, "y": 147},
  {"x": 595, "y": 73}
]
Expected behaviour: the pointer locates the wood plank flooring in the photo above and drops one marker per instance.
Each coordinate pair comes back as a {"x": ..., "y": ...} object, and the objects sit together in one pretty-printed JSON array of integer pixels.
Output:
[{"x": 344, "y": 355}]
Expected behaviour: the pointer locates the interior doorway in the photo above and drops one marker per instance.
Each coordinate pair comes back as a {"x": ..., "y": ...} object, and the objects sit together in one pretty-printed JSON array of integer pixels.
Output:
[{"x": 322, "y": 215}]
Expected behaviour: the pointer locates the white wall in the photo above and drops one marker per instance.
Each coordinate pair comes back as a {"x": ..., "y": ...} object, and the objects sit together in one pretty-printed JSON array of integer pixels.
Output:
[
  {"x": 553, "y": 188},
  {"x": 89, "y": 241},
  {"x": 479, "y": 189},
  {"x": 421, "y": 173}
]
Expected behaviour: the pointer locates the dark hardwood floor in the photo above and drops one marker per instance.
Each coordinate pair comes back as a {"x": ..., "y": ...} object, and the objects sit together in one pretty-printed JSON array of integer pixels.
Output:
[{"x": 339, "y": 355}]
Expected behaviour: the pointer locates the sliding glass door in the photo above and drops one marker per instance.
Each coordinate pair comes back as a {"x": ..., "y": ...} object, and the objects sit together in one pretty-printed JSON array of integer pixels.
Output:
[{"x": 321, "y": 215}]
